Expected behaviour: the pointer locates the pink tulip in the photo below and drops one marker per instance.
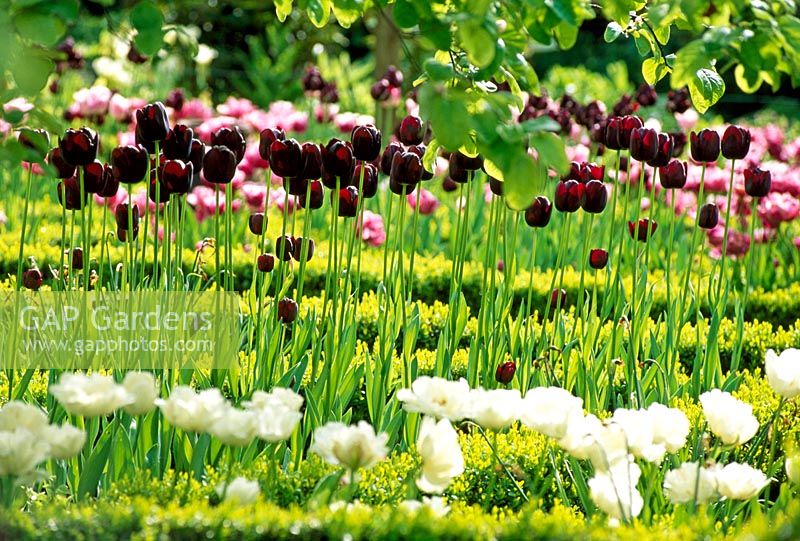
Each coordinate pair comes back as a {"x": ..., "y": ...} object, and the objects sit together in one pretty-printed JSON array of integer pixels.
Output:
[
  {"x": 428, "y": 203},
  {"x": 372, "y": 230}
]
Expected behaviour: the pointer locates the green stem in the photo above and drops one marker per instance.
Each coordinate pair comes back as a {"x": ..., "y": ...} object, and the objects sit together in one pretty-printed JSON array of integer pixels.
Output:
[{"x": 25, "y": 225}]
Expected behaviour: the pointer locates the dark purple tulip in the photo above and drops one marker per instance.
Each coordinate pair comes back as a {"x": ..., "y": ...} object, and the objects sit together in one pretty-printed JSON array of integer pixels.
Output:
[
  {"x": 664, "y": 154},
  {"x": 69, "y": 194},
  {"x": 196, "y": 155},
  {"x": 175, "y": 99},
  {"x": 121, "y": 216},
  {"x": 704, "y": 146},
  {"x": 337, "y": 159},
  {"x": 231, "y": 138},
  {"x": 366, "y": 142},
  {"x": 646, "y": 95},
  {"x": 158, "y": 192},
  {"x": 496, "y": 186},
  {"x": 394, "y": 76},
  {"x": 295, "y": 185},
  {"x": 122, "y": 234},
  {"x": 152, "y": 122},
  {"x": 419, "y": 150},
  {"x": 316, "y": 197},
  {"x": 77, "y": 258},
  {"x": 219, "y": 165},
  {"x": 569, "y": 195},
  {"x": 469, "y": 163},
  {"x": 709, "y": 216},
  {"x": 369, "y": 183},
  {"x": 612, "y": 131},
  {"x": 311, "y": 154},
  {"x": 178, "y": 143},
  {"x": 266, "y": 262},
  {"x": 387, "y": 156},
  {"x": 406, "y": 168},
  {"x": 644, "y": 144},
  {"x": 269, "y": 136},
  {"x": 505, "y": 372},
  {"x": 598, "y": 258},
  {"x": 757, "y": 182},
  {"x": 348, "y": 202},
  {"x": 597, "y": 132},
  {"x": 329, "y": 93},
  {"x": 558, "y": 297},
  {"x": 95, "y": 176},
  {"x": 411, "y": 130},
  {"x": 129, "y": 163},
  {"x": 35, "y": 141},
  {"x": 539, "y": 212},
  {"x": 449, "y": 185},
  {"x": 299, "y": 242},
  {"x": 673, "y": 176},
  {"x": 456, "y": 170},
  {"x": 32, "y": 279},
  {"x": 312, "y": 80},
  {"x": 139, "y": 139},
  {"x": 678, "y": 100},
  {"x": 79, "y": 147},
  {"x": 284, "y": 247},
  {"x": 62, "y": 167},
  {"x": 287, "y": 310},
  {"x": 595, "y": 197},
  {"x": 735, "y": 142},
  {"x": 110, "y": 185},
  {"x": 176, "y": 176},
  {"x": 576, "y": 172},
  {"x": 257, "y": 223},
  {"x": 381, "y": 90},
  {"x": 646, "y": 228},
  {"x": 629, "y": 123}
]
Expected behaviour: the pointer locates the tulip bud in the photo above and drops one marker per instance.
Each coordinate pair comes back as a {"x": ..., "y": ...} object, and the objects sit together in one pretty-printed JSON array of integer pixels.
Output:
[
  {"x": 297, "y": 253},
  {"x": 369, "y": 182},
  {"x": 449, "y": 185},
  {"x": 69, "y": 194},
  {"x": 158, "y": 192},
  {"x": 32, "y": 279},
  {"x": 76, "y": 254},
  {"x": 267, "y": 137},
  {"x": 121, "y": 216},
  {"x": 316, "y": 197},
  {"x": 295, "y": 185},
  {"x": 704, "y": 146},
  {"x": 406, "y": 168},
  {"x": 757, "y": 182},
  {"x": 366, "y": 142},
  {"x": 664, "y": 154},
  {"x": 538, "y": 214},
  {"x": 328, "y": 93},
  {"x": 311, "y": 156},
  {"x": 646, "y": 95},
  {"x": 709, "y": 216},
  {"x": 627, "y": 126},
  {"x": 598, "y": 258},
  {"x": 219, "y": 165},
  {"x": 381, "y": 90},
  {"x": 129, "y": 163},
  {"x": 337, "y": 159},
  {"x": 286, "y": 158},
  {"x": 196, "y": 155},
  {"x": 735, "y": 142},
  {"x": 110, "y": 185},
  {"x": 287, "y": 310},
  {"x": 312, "y": 80},
  {"x": 175, "y": 99},
  {"x": 388, "y": 155},
  {"x": 456, "y": 169},
  {"x": 673, "y": 176},
  {"x": 678, "y": 100},
  {"x": 411, "y": 130},
  {"x": 642, "y": 230},
  {"x": 612, "y": 131},
  {"x": 496, "y": 186},
  {"x": 152, "y": 122},
  {"x": 348, "y": 201},
  {"x": 558, "y": 297},
  {"x": 63, "y": 169},
  {"x": 231, "y": 138},
  {"x": 644, "y": 144},
  {"x": 419, "y": 150},
  {"x": 79, "y": 147},
  {"x": 176, "y": 176},
  {"x": 266, "y": 262},
  {"x": 178, "y": 143},
  {"x": 569, "y": 195},
  {"x": 257, "y": 223},
  {"x": 284, "y": 247},
  {"x": 94, "y": 176},
  {"x": 595, "y": 197},
  {"x": 469, "y": 163},
  {"x": 122, "y": 234},
  {"x": 505, "y": 372}
]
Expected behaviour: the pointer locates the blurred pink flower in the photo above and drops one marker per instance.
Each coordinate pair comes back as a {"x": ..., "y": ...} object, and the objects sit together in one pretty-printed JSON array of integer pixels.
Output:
[
  {"x": 577, "y": 153},
  {"x": 324, "y": 112},
  {"x": 37, "y": 168},
  {"x": 204, "y": 201},
  {"x": 112, "y": 202},
  {"x": 235, "y": 107},
  {"x": 92, "y": 101},
  {"x": 688, "y": 119},
  {"x": 126, "y": 138},
  {"x": 194, "y": 109},
  {"x": 372, "y": 230},
  {"x": 738, "y": 242},
  {"x": 205, "y": 130},
  {"x": 3, "y": 218},
  {"x": 278, "y": 198},
  {"x": 255, "y": 195},
  {"x": 428, "y": 203},
  {"x": 778, "y": 207}
]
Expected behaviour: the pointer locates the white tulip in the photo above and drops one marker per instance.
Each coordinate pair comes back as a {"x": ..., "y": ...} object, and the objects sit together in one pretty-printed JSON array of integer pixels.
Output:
[
  {"x": 691, "y": 483},
  {"x": 144, "y": 389},
  {"x": 550, "y": 410},
  {"x": 495, "y": 409},
  {"x": 192, "y": 411},
  {"x": 670, "y": 427},
  {"x": 91, "y": 395},
  {"x": 614, "y": 492},
  {"x": 638, "y": 426},
  {"x": 437, "y": 397},
  {"x": 740, "y": 481},
  {"x": 783, "y": 372},
  {"x": 435, "y": 504},
  {"x": 277, "y": 413},
  {"x": 16, "y": 415},
  {"x": 351, "y": 447},
  {"x": 240, "y": 490},
  {"x": 21, "y": 451},
  {"x": 65, "y": 441},
  {"x": 442, "y": 461},
  {"x": 730, "y": 419},
  {"x": 234, "y": 427},
  {"x": 588, "y": 438},
  {"x": 793, "y": 469}
]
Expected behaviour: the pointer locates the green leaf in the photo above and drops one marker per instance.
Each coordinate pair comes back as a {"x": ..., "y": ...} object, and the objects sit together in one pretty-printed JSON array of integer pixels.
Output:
[
  {"x": 148, "y": 20},
  {"x": 522, "y": 182},
  {"x": 746, "y": 79},
  {"x": 662, "y": 33},
  {"x": 613, "y": 31},
  {"x": 550, "y": 149},
  {"x": 283, "y": 8},
  {"x": 448, "y": 114},
  {"x": 688, "y": 60},
  {"x": 706, "y": 89},
  {"x": 478, "y": 43},
  {"x": 319, "y": 11},
  {"x": 653, "y": 70},
  {"x": 95, "y": 464},
  {"x": 566, "y": 35},
  {"x": 405, "y": 14},
  {"x": 31, "y": 71},
  {"x": 39, "y": 26}
]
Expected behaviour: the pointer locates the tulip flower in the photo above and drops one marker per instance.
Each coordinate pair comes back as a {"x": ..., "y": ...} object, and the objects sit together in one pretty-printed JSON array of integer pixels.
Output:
[
  {"x": 505, "y": 372},
  {"x": 642, "y": 230},
  {"x": 646, "y": 95},
  {"x": 152, "y": 122},
  {"x": 286, "y": 158},
  {"x": 539, "y": 212},
  {"x": 644, "y": 144},
  {"x": 257, "y": 223},
  {"x": 219, "y": 165},
  {"x": 569, "y": 195},
  {"x": 679, "y": 141},
  {"x": 595, "y": 197},
  {"x": 735, "y": 142},
  {"x": 297, "y": 252},
  {"x": 69, "y": 194},
  {"x": 388, "y": 154},
  {"x": 627, "y": 126},
  {"x": 406, "y": 168},
  {"x": 284, "y": 247},
  {"x": 129, "y": 163},
  {"x": 63, "y": 169},
  {"x": 287, "y": 310},
  {"x": 380, "y": 90},
  {"x": 366, "y": 141},
  {"x": 79, "y": 147},
  {"x": 95, "y": 176},
  {"x": 673, "y": 176},
  {"x": 178, "y": 143},
  {"x": 337, "y": 159},
  {"x": 419, "y": 150},
  {"x": 76, "y": 255},
  {"x": 315, "y": 199},
  {"x": 196, "y": 155},
  {"x": 295, "y": 186},
  {"x": 709, "y": 216},
  {"x": 598, "y": 258},
  {"x": 456, "y": 171},
  {"x": 558, "y": 296},
  {"x": 32, "y": 279},
  {"x": 267, "y": 137},
  {"x": 611, "y": 133},
  {"x": 266, "y": 262},
  {"x": 665, "y": 150},
  {"x": 757, "y": 182},
  {"x": 176, "y": 176},
  {"x": 231, "y": 138},
  {"x": 312, "y": 80},
  {"x": 369, "y": 182},
  {"x": 311, "y": 156},
  {"x": 496, "y": 186},
  {"x": 704, "y": 146},
  {"x": 348, "y": 201},
  {"x": 411, "y": 130}
]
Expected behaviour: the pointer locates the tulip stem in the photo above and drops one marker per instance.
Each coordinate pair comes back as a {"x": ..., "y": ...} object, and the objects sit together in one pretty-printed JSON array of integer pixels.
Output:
[
  {"x": 129, "y": 238},
  {"x": 61, "y": 277},
  {"x": 668, "y": 260},
  {"x": 304, "y": 247},
  {"x": 613, "y": 228},
  {"x": 738, "y": 343},
  {"x": 229, "y": 236},
  {"x": 413, "y": 245},
  {"x": 724, "y": 255},
  {"x": 101, "y": 269},
  {"x": 156, "y": 268},
  {"x": 84, "y": 233},
  {"x": 25, "y": 225},
  {"x": 216, "y": 236}
]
